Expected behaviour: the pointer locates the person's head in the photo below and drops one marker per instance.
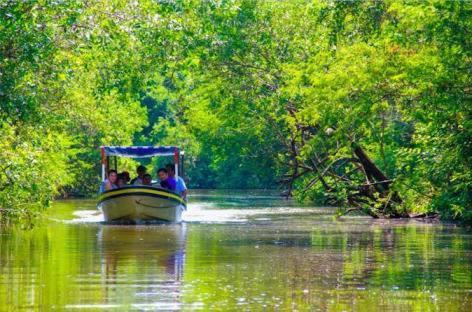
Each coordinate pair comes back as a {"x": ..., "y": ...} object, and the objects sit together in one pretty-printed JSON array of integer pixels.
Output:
[
  {"x": 112, "y": 176},
  {"x": 162, "y": 174},
  {"x": 126, "y": 177},
  {"x": 121, "y": 181},
  {"x": 141, "y": 171},
  {"x": 147, "y": 179},
  {"x": 170, "y": 169}
]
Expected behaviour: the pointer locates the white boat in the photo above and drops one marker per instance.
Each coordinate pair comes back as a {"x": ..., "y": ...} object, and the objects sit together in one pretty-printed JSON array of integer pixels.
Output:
[{"x": 140, "y": 203}]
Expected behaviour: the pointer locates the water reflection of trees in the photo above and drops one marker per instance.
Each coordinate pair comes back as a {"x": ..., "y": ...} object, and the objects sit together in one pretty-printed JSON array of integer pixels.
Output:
[
  {"x": 333, "y": 266},
  {"x": 400, "y": 260},
  {"x": 357, "y": 264}
]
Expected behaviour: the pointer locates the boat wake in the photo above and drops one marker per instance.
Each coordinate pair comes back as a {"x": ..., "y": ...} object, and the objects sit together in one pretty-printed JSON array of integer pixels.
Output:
[
  {"x": 209, "y": 213},
  {"x": 201, "y": 212}
]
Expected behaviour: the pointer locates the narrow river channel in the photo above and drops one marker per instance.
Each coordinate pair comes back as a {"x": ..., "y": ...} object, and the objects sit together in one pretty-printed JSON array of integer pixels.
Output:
[{"x": 235, "y": 251}]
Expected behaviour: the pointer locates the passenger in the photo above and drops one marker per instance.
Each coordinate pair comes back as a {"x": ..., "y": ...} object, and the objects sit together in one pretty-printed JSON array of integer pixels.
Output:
[
  {"x": 166, "y": 182},
  {"x": 180, "y": 187},
  {"x": 110, "y": 183},
  {"x": 147, "y": 179},
  {"x": 121, "y": 182},
  {"x": 141, "y": 171},
  {"x": 126, "y": 176}
]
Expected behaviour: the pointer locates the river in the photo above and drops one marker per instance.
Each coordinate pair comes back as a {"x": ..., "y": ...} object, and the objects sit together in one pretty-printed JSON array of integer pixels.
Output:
[{"x": 236, "y": 250}]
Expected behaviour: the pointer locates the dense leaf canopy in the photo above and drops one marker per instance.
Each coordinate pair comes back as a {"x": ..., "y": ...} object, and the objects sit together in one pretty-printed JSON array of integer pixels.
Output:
[{"x": 250, "y": 89}]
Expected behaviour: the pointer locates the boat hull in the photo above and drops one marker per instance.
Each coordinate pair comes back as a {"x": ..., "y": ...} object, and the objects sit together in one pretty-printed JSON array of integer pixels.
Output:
[{"x": 141, "y": 203}]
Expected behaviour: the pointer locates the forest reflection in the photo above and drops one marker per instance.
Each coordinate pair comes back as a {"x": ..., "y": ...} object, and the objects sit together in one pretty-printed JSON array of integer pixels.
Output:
[{"x": 297, "y": 260}]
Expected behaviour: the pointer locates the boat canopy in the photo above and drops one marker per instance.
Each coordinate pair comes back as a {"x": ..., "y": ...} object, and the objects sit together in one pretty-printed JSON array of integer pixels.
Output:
[{"x": 139, "y": 151}]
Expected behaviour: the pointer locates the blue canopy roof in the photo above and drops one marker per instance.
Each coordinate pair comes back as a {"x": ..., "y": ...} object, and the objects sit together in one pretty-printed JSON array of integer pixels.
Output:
[{"x": 139, "y": 151}]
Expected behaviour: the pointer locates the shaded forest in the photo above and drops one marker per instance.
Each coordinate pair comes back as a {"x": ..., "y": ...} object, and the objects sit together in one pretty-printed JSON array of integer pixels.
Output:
[{"x": 364, "y": 105}]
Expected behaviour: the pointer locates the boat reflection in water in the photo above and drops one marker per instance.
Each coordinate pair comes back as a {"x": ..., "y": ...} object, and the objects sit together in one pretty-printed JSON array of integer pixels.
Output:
[{"x": 143, "y": 265}]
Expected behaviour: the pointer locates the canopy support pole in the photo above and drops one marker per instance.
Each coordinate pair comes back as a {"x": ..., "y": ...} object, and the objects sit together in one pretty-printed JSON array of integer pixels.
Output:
[
  {"x": 102, "y": 152},
  {"x": 107, "y": 167},
  {"x": 176, "y": 162},
  {"x": 182, "y": 155}
]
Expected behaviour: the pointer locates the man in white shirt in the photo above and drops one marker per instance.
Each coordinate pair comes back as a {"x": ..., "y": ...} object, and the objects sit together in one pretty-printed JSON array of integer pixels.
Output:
[{"x": 141, "y": 171}]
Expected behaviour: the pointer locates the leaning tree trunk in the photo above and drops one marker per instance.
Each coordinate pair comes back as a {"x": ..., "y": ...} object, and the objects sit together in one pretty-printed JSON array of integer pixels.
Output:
[
  {"x": 369, "y": 189},
  {"x": 380, "y": 182}
]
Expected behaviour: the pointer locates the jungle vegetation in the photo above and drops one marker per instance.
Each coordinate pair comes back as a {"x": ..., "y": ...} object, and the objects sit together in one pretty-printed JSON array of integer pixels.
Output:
[{"x": 361, "y": 104}]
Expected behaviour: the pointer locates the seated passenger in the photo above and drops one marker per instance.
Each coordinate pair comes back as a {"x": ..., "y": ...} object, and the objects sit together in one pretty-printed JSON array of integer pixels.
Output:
[
  {"x": 121, "y": 181},
  {"x": 180, "y": 187},
  {"x": 147, "y": 179},
  {"x": 141, "y": 171},
  {"x": 166, "y": 181},
  {"x": 126, "y": 176},
  {"x": 110, "y": 183}
]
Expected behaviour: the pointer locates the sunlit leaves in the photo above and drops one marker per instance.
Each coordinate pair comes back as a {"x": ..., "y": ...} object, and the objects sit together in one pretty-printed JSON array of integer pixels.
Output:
[{"x": 233, "y": 81}]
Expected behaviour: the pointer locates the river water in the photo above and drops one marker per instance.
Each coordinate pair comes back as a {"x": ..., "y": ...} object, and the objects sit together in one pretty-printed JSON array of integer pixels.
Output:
[{"x": 235, "y": 251}]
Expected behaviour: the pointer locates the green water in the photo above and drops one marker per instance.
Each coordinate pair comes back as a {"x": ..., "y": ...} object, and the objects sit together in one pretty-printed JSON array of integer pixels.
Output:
[{"x": 236, "y": 251}]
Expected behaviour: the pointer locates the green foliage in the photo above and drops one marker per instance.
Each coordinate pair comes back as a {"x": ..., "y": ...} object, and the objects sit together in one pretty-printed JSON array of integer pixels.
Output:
[
  {"x": 58, "y": 102},
  {"x": 233, "y": 84}
]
